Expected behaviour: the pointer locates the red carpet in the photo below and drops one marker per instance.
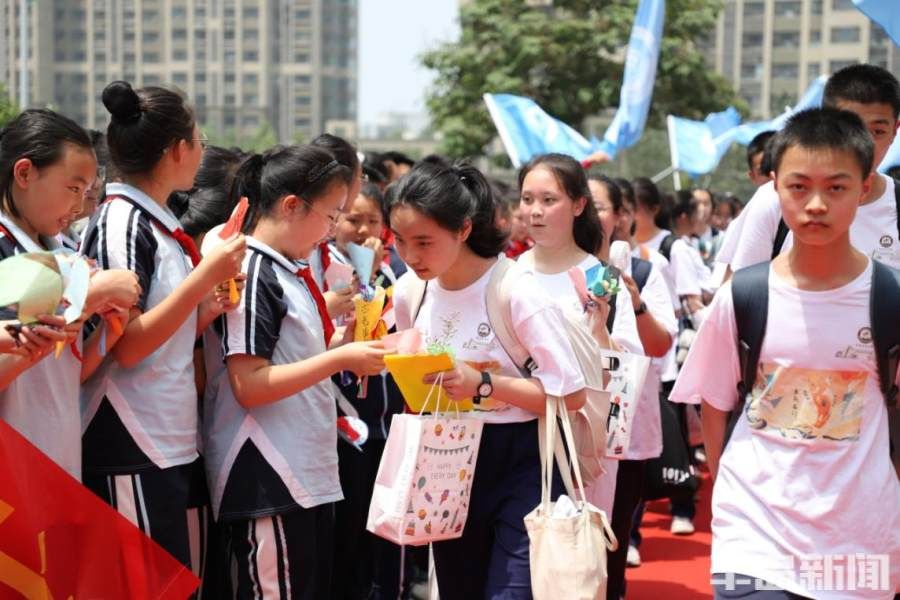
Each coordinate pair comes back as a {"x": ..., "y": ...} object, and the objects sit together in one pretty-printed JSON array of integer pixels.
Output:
[{"x": 673, "y": 567}]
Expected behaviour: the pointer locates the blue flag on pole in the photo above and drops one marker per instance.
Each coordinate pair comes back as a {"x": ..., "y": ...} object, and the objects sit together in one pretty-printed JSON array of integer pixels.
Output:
[
  {"x": 698, "y": 146},
  {"x": 527, "y": 131},
  {"x": 883, "y": 12},
  {"x": 811, "y": 98},
  {"x": 640, "y": 74}
]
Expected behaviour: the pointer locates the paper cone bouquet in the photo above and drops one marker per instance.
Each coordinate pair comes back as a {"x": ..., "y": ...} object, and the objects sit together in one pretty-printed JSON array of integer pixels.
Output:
[{"x": 44, "y": 283}]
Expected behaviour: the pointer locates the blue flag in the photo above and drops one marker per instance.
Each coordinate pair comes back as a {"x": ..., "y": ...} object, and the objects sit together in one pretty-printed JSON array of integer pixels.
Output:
[
  {"x": 892, "y": 158},
  {"x": 883, "y": 12},
  {"x": 640, "y": 74},
  {"x": 811, "y": 98},
  {"x": 698, "y": 146},
  {"x": 527, "y": 131}
]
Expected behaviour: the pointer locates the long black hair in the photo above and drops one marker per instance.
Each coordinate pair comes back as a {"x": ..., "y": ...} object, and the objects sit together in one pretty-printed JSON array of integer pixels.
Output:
[
  {"x": 306, "y": 171},
  {"x": 573, "y": 181},
  {"x": 451, "y": 195},
  {"x": 39, "y": 135},
  {"x": 210, "y": 202}
]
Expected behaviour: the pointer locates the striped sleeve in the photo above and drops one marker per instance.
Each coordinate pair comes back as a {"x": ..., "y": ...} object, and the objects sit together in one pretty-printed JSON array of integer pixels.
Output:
[
  {"x": 254, "y": 326},
  {"x": 121, "y": 237}
]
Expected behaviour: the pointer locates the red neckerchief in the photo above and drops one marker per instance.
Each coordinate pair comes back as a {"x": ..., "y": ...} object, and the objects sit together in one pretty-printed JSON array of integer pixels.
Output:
[
  {"x": 327, "y": 326},
  {"x": 516, "y": 248},
  {"x": 325, "y": 258},
  {"x": 74, "y": 345},
  {"x": 184, "y": 240}
]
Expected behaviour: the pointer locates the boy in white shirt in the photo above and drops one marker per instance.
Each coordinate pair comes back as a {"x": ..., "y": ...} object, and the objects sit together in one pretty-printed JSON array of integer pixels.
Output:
[
  {"x": 806, "y": 475},
  {"x": 873, "y": 94}
]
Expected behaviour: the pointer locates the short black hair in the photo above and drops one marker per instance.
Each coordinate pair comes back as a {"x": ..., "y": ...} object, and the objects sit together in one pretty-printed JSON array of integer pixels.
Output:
[
  {"x": 826, "y": 128},
  {"x": 757, "y": 145},
  {"x": 398, "y": 158},
  {"x": 866, "y": 84}
]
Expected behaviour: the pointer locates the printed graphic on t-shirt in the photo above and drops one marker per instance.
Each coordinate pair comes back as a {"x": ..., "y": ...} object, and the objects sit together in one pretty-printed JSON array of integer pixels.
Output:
[
  {"x": 887, "y": 251},
  {"x": 807, "y": 404}
]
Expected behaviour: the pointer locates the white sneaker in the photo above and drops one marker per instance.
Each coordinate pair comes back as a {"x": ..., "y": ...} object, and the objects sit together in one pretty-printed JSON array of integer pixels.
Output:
[
  {"x": 682, "y": 526},
  {"x": 633, "y": 558}
]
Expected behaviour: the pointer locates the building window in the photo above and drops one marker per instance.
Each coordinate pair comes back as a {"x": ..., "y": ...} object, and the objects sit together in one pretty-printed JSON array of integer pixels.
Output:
[
  {"x": 301, "y": 79},
  {"x": 179, "y": 78},
  {"x": 785, "y": 70},
  {"x": 251, "y": 34},
  {"x": 815, "y": 37},
  {"x": 751, "y": 70},
  {"x": 150, "y": 36},
  {"x": 787, "y": 8},
  {"x": 229, "y": 100},
  {"x": 752, "y": 40},
  {"x": 836, "y": 65},
  {"x": 251, "y": 12},
  {"x": 150, "y": 15},
  {"x": 151, "y": 79},
  {"x": 99, "y": 56},
  {"x": 200, "y": 77},
  {"x": 151, "y": 57},
  {"x": 844, "y": 35},
  {"x": 179, "y": 54},
  {"x": 229, "y": 77},
  {"x": 251, "y": 55},
  {"x": 250, "y": 80},
  {"x": 179, "y": 12},
  {"x": 786, "y": 39},
  {"x": 179, "y": 34},
  {"x": 813, "y": 70},
  {"x": 251, "y": 100},
  {"x": 815, "y": 7},
  {"x": 301, "y": 57},
  {"x": 754, "y": 9},
  {"x": 842, "y": 5}
]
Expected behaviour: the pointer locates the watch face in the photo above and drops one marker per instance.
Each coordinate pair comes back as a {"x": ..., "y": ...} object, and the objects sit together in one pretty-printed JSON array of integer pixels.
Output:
[{"x": 485, "y": 389}]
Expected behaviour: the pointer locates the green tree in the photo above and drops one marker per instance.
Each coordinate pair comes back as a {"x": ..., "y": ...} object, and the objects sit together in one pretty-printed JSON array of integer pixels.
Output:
[
  {"x": 569, "y": 59},
  {"x": 8, "y": 108}
]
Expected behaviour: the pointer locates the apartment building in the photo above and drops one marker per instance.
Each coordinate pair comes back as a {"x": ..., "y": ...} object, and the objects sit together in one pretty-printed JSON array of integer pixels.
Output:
[
  {"x": 771, "y": 50},
  {"x": 243, "y": 63}
]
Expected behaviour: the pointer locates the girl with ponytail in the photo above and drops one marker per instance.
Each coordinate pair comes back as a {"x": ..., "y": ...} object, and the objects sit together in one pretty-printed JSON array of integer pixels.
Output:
[
  {"x": 270, "y": 438},
  {"x": 443, "y": 218}
]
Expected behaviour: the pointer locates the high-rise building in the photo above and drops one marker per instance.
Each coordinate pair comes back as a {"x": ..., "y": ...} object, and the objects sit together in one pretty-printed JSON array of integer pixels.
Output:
[
  {"x": 771, "y": 50},
  {"x": 243, "y": 63}
]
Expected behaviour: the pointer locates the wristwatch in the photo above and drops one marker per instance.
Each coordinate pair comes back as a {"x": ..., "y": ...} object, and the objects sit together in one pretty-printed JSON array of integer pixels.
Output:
[
  {"x": 640, "y": 309},
  {"x": 486, "y": 388}
]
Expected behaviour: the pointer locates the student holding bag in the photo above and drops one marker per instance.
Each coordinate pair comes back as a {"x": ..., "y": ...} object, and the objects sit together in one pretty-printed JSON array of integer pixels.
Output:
[
  {"x": 270, "y": 435},
  {"x": 443, "y": 218},
  {"x": 140, "y": 408}
]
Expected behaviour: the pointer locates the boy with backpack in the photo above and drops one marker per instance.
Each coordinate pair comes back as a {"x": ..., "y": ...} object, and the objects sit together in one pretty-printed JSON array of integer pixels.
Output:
[
  {"x": 873, "y": 94},
  {"x": 806, "y": 501}
]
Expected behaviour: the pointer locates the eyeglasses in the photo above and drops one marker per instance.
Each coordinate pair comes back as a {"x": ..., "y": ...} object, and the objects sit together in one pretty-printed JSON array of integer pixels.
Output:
[
  {"x": 332, "y": 219},
  {"x": 364, "y": 177},
  {"x": 203, "y": 139}
]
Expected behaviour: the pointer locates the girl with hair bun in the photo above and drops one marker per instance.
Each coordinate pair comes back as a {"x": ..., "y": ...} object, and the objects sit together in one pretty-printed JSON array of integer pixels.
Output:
[
  {"x": 444, "y": 220},
  {"x": 47, "y": 166},
  {"x": 140, "y": 409},
  {"x": 269, "y": 437}
]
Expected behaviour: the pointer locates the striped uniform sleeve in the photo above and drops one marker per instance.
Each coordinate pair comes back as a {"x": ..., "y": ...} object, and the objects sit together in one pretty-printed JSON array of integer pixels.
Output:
[
  {"x": 254, "y": 326},
  {"x": 121, "y": 237},
  {"x": 8, "y": 246}
]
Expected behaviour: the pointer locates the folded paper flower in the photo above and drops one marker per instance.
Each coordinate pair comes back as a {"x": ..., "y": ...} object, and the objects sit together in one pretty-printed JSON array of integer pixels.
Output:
[
  {"x": 369, "y": 324},
  {"x": 338, "y": 276},
  {"x": 409, "y": 371},
  {"x": 44, "y": 283}
]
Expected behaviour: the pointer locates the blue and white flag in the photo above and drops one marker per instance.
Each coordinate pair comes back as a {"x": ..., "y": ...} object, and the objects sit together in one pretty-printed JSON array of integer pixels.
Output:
[
  {"x": 698, "y": 146},
  {"x": 892, "y": 158},
  {"x": 883, "y": 12},
  {"x": 811, "y": 98},
  {"x": 640, "y": 74},
  {"x": 527, "y": 131}
]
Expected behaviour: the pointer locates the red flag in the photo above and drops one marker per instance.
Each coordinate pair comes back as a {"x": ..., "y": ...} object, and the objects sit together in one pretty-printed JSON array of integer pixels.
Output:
[{"x": 59, "y": 540}]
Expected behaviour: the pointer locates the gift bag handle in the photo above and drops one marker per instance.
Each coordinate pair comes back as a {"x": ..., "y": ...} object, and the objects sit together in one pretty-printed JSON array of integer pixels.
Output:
[{"x": 550, "y": 440}]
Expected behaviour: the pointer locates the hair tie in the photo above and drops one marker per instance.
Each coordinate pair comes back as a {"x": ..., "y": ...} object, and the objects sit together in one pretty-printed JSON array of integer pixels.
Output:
[{"x": 317, "y": 174}]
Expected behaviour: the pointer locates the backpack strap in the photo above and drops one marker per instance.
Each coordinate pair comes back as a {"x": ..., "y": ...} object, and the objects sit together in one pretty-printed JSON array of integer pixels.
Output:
[
  {"x": 665, "y": 246},
  {"x": 884, "y": 313},
  {"x": 897, "y": 203},
  {"x": 415, "y": 294},
  {"x": 750, "y": 296},
  {"x": 640, "y": 271},
  {"x": 780, "y": 237},
  {"x": 499, "y": 313}
]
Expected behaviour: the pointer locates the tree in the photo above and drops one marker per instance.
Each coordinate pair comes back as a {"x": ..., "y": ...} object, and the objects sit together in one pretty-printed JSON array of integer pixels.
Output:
[
  {"x": 569, "y": 59},
  {"x": 8, "y": 108}
]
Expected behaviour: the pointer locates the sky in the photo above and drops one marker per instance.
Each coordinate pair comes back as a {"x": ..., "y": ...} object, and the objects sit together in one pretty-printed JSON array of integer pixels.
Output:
[{"x": 392, "y": 34}]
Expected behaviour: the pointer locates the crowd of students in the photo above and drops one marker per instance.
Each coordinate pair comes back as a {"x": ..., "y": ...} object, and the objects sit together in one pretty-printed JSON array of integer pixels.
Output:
[{"x": 209, "y": 419}]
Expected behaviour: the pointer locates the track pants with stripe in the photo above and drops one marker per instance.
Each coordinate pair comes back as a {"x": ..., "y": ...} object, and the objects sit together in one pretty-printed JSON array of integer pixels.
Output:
[{"x": 284, "y": 557}]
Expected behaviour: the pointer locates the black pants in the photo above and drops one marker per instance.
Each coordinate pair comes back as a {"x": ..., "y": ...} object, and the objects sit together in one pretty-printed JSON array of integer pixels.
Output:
[{"x": 629, "y": 487}]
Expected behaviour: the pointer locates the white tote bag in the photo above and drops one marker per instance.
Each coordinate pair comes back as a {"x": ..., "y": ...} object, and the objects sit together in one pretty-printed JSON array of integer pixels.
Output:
[
  {"x": 424, "y": 480},
  {"x": 568, "y": 538},
  {"x": 627, "y": 374}
]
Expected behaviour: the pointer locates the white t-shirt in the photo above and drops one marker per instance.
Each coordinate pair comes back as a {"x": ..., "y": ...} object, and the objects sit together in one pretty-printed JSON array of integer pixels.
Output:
[
  {"x": 560, "y": 287},
  {"x": 681, "y": 273},
  {"x": 873, "y": 231},
  {"x": 732, "y": 237},
  {"x": 807, "y": 471},
  {"x": 458, "y": 318},
  {"x": 667, "y": 365},
  {"x": 646, "y": 434}
]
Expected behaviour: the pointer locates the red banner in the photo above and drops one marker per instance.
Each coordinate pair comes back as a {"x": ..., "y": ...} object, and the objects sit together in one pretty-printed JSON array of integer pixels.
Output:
[{"x": 58, "y": 540}]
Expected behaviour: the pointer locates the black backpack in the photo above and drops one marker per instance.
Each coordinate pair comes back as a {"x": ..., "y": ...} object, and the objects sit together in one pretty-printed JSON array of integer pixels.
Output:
[
  {"x": 750, "y": 295},
  {"x": 665, "y": 246},
  {"x": 782, "y": 232}
]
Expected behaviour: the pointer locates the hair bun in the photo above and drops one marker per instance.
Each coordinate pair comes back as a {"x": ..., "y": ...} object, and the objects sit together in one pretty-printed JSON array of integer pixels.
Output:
[{"x": 122, "y": 102}]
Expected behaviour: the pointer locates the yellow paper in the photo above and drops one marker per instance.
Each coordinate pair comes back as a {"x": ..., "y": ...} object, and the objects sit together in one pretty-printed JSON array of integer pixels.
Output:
[
  {"x": 410, "y": 369},
  {"x": 368, "y": 314}
]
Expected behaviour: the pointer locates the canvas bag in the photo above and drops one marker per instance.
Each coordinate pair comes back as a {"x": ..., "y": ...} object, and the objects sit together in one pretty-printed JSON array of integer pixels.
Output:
[
  {"x": 589, "y": 425},
  {"x": 625, "y": 385},
  {"x": 424, "y": 480},
  {"x": 567, "y": 554}
]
